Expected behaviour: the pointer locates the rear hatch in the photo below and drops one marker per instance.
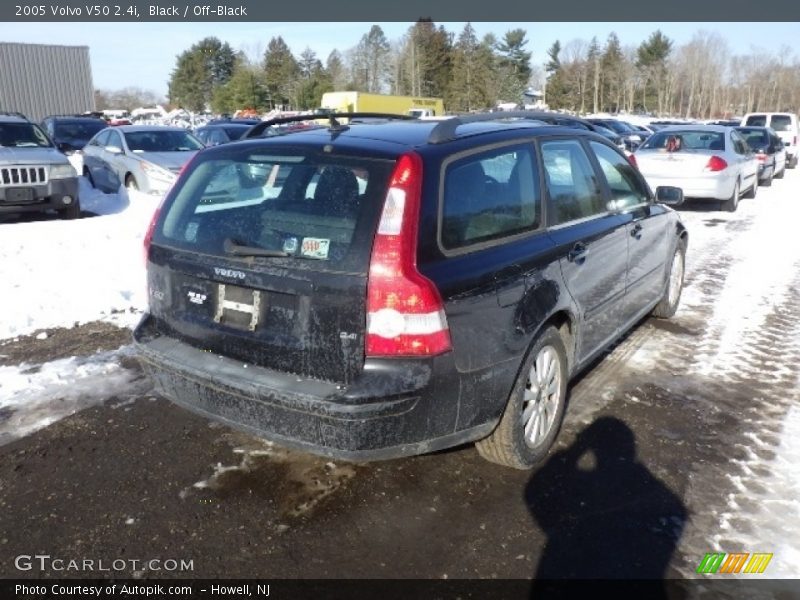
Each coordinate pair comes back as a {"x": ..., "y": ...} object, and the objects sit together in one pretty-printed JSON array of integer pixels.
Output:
[{"x": 261, "y": 254}]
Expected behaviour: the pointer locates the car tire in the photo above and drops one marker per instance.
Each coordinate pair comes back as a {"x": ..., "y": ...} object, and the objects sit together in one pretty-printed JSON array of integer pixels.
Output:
[
  {"x": 668, "y": 305},
  {"x": 73, "y": 211},
  {"x": 782, "y": 172},
  {"x": 768, "y": 181},
  {"x": 130, "y": 183},
  {"x": 519, "y": 441},
  {"x": 88, "y": 174},
  {"x": 792, "y": 163},
  {"x": 751, "y": 193},
  {"x": 732, "y": 203}
]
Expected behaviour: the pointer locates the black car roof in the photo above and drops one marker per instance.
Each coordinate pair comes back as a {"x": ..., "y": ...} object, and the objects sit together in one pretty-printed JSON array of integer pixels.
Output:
[{"x": 418, "y": 133}]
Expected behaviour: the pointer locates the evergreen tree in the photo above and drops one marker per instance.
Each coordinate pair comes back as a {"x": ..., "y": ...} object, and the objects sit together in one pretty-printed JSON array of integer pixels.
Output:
[
  {"x": 471, "y": 74},
  {"x": 281, "y": 72},
  {"x": 514, "y": 55},
  {"x": 555, "y": 92},
  {"x": 199, "y": 70}
]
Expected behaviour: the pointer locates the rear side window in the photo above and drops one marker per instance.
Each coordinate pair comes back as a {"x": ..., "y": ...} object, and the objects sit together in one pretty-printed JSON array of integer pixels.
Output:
[
  {"x": 781, "y": 123},
  {"x": 490, "y": 195},
  {"x": 626, "y": 188},
  {"x": 572, "y": 185},
  {"x": 757, "y": 121},
  {"x": 290, "y": 204}
]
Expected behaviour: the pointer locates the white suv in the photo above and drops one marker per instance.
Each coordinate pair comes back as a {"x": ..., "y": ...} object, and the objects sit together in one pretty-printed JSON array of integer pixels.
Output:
[{"x": 784, "y": 124}]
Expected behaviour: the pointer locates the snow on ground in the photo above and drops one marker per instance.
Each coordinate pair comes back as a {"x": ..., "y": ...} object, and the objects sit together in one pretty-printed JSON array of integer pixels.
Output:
[
  {"x": 33, "y": 397},
  {"x": 57, "y": 272}
]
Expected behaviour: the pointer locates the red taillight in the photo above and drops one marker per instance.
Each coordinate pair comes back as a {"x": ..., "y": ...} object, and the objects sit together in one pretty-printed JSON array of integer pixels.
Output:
[
  {"x": 632, "y": 160},
  {"x": 405, "y": 314},
  {"x": 148, "y": 236},
  {"x": 761, "y": 157},
  {"x": 715, "y": 163}
]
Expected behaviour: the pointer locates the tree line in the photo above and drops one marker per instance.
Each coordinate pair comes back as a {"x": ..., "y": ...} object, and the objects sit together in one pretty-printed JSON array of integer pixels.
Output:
[{"x": 701, "y": 78}]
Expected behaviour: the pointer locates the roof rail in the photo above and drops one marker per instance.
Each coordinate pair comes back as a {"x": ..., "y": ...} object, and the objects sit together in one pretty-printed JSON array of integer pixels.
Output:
[
  {"x": 89, "y": 115},
  {"x": 11, "y": 113},
  {"x": 332, "y": 118},
  {"x": 445, "y": 131}
]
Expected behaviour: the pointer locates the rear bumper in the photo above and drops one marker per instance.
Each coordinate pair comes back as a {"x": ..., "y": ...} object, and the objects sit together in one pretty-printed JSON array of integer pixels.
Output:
[
  {"x": 394, "y": 409},
  {"x": 711, "y": 187},
  {"x": 45, "y": 197}
]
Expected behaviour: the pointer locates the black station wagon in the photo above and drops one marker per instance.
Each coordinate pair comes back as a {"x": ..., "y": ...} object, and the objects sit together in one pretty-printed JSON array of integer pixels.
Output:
[{"x": 385, "y": 287}]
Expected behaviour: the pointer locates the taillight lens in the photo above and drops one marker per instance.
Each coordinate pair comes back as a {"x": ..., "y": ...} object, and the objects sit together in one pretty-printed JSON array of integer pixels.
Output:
[
  {"x": 405, "y": 313},
  {"x": 148, "y": 236},
  {"x": 632, "y": 160},
  {"x": 761, "y": 157},
  {"x": 715, "y": 163}
]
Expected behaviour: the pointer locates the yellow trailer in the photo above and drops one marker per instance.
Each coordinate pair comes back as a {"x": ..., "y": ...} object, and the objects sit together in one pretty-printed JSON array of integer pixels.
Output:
[{"x": 401, "y": 105}]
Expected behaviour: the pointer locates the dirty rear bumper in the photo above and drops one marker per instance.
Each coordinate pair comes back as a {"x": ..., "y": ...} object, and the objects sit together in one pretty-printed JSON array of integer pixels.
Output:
[{"x": 394, "y": 408}]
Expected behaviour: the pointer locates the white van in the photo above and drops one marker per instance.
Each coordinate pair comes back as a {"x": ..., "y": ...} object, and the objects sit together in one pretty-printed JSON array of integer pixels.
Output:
[{"x": 784, "y": 124}]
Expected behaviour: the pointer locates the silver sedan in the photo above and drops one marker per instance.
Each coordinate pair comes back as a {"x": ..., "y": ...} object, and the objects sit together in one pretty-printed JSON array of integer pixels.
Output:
[
  {"x": 706, "y": 161},
  {"x": 147, "y": 158}
]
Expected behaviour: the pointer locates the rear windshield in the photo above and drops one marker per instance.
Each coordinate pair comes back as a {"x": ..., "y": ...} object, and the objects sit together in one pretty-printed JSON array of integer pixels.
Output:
[
  {"x": 288, "y": 204},
  {"x": 757, "y": 121},
  {"x": 755, "y": 138},
  {"x": 781, "y": 122},
  {"x": 685, "y": 140},
  {"x": 78, "y": 130}
]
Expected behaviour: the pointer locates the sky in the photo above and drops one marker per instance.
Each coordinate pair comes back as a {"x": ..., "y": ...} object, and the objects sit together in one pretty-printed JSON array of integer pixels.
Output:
[{"x": 143, "y": 54}]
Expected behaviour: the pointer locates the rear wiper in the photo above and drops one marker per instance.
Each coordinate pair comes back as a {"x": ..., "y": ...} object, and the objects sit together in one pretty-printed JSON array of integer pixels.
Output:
[{"x": 233, "y": 247}]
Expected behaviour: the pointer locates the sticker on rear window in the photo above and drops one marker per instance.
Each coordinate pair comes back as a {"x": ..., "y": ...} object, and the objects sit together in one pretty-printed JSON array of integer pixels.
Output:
[
  {"x": 191, "y": 231},
  {"x": 315, "y": 247}
]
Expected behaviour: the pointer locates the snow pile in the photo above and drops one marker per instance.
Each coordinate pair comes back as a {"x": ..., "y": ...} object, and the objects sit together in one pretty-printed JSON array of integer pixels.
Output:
[
  {"x": 57, "y": 272},
  {"x": 32, "y": 398}
]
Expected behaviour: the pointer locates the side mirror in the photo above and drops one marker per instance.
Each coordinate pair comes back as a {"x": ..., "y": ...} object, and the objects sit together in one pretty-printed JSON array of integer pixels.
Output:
[
  {"x": 671, "y": 196},
  {"x": 64, "y": 147},
  {"x": 113, "y": 149}
]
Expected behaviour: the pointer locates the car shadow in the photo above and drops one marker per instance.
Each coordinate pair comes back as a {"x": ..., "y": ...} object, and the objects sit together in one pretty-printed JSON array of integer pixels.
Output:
[{"x": 605, "y": 515}]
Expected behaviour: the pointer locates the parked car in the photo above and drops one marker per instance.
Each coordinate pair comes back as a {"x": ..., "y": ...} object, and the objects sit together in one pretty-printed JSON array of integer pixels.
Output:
[
  {"x": 578, "y": 123},
  {"x": 630, "y": 137},
  {"x": 216, "y": 133},
  {"x": 769, "y": 150},
  {"x": 147, "y": 158},
  {"x": 785, "y": 125},
  {"x": 34, "y": 175},
  {"x": 406, "y": 286},
  {"x": 71, "y": 133},
  {"x": 705, "y": 161}
]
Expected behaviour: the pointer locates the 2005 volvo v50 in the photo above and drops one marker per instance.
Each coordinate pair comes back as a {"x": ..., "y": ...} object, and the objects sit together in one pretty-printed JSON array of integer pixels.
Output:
[{"x": 390, "y": 287}]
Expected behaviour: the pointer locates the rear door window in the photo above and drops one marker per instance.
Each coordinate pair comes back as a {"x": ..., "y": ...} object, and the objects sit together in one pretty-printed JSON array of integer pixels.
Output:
[
  {"x": 491, "y": 195},
  {"x": 285, "y": 204},
  {"x": 572, "y": 185},
  {"x": 626, "y": 188}
]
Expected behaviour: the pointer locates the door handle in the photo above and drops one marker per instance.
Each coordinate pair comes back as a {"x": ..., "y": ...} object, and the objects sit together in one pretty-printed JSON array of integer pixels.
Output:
[
  {"x": 636, "y": 231},
  {"x": 578, "y": 253}
]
